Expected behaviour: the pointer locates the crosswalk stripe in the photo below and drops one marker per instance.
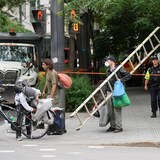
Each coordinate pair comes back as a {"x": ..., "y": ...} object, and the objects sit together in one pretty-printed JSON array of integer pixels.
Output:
[{"x": 7, "y": 151}]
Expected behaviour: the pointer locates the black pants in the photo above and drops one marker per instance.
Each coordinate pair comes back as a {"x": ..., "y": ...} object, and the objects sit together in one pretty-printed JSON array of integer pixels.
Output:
[
  {"x": 155, "y": 98},
  {"x": 20, "y": 115}
]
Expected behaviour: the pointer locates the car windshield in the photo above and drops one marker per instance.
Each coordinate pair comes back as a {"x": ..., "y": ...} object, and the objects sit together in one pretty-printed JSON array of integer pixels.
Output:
[{"x": 16, "y": 53}]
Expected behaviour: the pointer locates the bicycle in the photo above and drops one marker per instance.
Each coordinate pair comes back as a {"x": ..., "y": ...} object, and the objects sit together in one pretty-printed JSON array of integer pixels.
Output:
[{"x": 30, "y": 127}]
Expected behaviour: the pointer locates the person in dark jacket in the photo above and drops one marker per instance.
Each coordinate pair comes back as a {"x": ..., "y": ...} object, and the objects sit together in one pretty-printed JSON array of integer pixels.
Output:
[
  {"x": 153, "y": 82},
  {"x": 115, "y": 113}
]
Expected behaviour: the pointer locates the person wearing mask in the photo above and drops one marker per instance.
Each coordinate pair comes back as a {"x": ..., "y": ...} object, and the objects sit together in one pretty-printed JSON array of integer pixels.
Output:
[
  {"x": 152, "y": 83},
  {"x": 115, "y": 114}
]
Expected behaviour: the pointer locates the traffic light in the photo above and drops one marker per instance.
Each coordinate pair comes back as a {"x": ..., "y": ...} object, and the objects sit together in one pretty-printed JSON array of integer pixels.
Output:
[
  {"x": 39, "y": 24},
  {"x": 73, "y": 14},
  {"x": 75, "y": 27}
]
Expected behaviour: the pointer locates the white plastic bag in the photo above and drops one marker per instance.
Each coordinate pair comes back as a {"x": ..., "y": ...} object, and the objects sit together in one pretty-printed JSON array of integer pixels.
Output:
[{"x": 43, "y": 106}]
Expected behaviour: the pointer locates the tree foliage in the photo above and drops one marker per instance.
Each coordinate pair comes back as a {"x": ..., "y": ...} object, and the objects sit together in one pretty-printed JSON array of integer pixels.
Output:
[
  {"x": 79, "y": 91},
  {"x": 5, "y": 23},
  {"x": 123, "y": 23},
  {"x": 10, "y": 4}
]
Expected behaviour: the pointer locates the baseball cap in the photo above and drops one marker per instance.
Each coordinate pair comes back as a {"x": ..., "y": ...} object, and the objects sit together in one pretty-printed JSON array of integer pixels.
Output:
[
  {"x": 154, "y": 57},
  {"x": 112, "y": 58}
]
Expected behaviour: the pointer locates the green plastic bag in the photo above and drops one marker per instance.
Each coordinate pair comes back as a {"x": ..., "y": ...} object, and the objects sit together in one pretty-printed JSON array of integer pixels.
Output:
[{"x": 121, "y": 101}]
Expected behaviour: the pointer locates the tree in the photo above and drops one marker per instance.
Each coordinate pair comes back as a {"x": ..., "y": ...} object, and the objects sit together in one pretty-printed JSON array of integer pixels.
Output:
[
  {"x": 5, "y": 23},
  {"x": 10, "y": 3},
  {"x": 123, "y": 23}
]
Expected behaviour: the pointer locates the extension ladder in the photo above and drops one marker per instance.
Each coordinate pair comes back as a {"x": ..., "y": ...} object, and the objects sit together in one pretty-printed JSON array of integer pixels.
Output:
[{"x": 142, "y": 52}]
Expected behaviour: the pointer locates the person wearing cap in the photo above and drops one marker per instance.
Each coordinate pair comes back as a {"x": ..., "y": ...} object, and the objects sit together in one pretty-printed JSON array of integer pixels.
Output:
[
  {"x": 115, "y": 114},
  {"x": 152, "y": 83}
]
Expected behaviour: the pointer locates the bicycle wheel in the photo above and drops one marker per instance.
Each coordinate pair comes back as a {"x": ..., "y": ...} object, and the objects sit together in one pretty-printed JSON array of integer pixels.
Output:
[{"x": 33, "y": 129}]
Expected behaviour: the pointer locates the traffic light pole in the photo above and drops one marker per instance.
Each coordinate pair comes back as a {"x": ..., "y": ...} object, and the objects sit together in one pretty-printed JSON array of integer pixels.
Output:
[
  {"x": 57, "y": 40},
  {"x": 84, "y": 43},
  {"x": 57, "y": 34}
]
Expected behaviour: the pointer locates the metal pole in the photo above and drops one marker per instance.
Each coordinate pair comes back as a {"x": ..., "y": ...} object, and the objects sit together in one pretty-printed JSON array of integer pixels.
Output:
[
  {"x": 84, "y": 42},
  {"x": 57, "y": 40},
  {"x": 57, "y": 34}
]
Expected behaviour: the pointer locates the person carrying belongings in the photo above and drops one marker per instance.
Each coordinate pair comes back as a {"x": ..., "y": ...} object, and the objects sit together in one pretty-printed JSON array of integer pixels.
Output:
[
  {"x": 115, "y": 113},
  {"x": 26, "y": 99},
  {"x": 52, "y": 90},
  {"x": 152, "y": 82}
]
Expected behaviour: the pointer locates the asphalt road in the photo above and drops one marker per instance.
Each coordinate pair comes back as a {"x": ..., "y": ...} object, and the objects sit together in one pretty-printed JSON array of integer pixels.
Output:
[
  {"x": 42, "y": 150},
  {"x": 140, "y": 139}
]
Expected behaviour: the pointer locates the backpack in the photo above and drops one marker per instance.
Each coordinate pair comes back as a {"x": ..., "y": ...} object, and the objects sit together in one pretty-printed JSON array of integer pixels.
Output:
[{"x": 64, "y": 81}]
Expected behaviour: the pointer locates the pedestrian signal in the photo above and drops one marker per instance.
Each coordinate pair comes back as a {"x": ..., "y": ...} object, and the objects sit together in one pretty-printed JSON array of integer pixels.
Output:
[
  {"x": 73, "y": 14},
  {"x": 39, "y": 15},
  {"x": 39, "y": 23},
  {"x": 75, "y": 27}
]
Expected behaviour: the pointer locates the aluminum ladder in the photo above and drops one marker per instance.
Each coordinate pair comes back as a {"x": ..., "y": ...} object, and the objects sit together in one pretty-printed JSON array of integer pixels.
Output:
[{"x": 142, "y": 52}]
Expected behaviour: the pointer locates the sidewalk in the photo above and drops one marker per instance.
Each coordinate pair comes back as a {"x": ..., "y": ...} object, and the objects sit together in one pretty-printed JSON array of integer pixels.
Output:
[{"x": 139, "y": 128}]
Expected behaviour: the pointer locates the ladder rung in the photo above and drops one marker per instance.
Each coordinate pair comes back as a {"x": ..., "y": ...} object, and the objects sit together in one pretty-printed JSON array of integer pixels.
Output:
[
  {"x": 95, "y": 102},
  {"x": 78, "y": 118},
  {"x": 116, "y": 76},
  {"x": 151, "y": 43},
  {"x": 156, "y": 38},
  {"x": 138, "y": 56},
  {"x": 87, "y": 110},
  {"x": 109, "y": 84},
  {"x": 131, "y": 63},
  {"x": 144, "y": 50},
  {"x": 102, "y": 93}
]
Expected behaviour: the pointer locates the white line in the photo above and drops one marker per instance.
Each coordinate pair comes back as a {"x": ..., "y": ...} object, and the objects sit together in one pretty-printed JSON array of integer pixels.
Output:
[
  {"x": 96, "y": 147},
  {"x": 49, "y": 156},
  {"x": 74, "y": 152},
  {"x": 7, "y": 151},
  {"x": 29, "y": 145},
  {"x": 49, "y": 149}
]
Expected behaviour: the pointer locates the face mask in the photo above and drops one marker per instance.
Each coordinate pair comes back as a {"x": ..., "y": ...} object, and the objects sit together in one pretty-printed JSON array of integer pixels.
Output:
[{"x": 106, "y": 64}]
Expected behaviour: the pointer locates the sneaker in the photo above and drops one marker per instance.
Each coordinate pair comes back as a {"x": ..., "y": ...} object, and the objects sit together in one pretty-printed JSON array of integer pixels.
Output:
[
  {"x": 110, "y": 129},
  {"x": 40, "y": 126},
  {"x": 19, "y": 138},
  {"x": 153, "y": 115},
  {"x": 118, "y": 130}
]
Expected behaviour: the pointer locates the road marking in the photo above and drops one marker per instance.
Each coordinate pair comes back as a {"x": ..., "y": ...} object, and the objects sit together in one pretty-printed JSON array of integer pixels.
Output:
[
  {"x": 49, "y": 149},
  {"x": 29, "y": 145},
  {"x": 49, "y": 156},
  {"x": 6, "y": 151},
  {"x": 99, "y": 147},
  {"x": 74, "y": 152}
]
